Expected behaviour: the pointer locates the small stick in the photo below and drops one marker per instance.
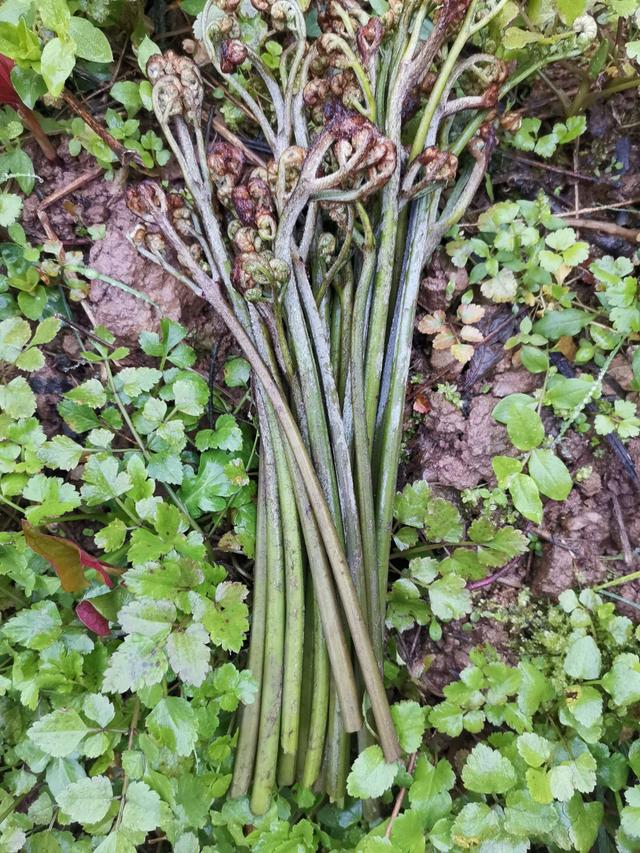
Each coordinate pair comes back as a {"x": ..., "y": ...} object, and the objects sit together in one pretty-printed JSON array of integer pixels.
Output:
[
  {"x": 71, "y": 187},
  {"x": 491, "y": 578},
  {"x": 627, "y": 202},
  {"x": 557, "y": 169},
  {"x": 624, "y": 538},
  {"x": 401, "y": 795},
  {"x": 631, "y": 234},
  {"x": 221, "y": 128}
]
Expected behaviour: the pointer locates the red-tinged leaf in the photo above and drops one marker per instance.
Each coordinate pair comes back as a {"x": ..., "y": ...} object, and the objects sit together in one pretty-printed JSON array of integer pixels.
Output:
[
  {"x": 68, "y": 559},
  {"x": 8, "y": 94},
  {"x": 89, "y": 616}
]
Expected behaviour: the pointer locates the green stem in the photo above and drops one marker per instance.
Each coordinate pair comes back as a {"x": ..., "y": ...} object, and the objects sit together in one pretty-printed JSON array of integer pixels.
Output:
[
  {"x": 250, "y": 714},
  {"x": 264, "y": 774},
  {"x": 294, "y": 618},
  {"x": 362, "y": 439},
  {"x": 319, "y": 704}
]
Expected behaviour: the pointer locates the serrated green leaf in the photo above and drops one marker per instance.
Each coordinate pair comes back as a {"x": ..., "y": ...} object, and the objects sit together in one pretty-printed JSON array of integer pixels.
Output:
[
  {"x": 86, "y": 801},
  {"x": 61, "y": 452},
  {"x": 90, "y": 393},
  {"x": 370, "y": 774},
  {"x": 137, "y": 662},
  {"x": 486, "y": 771},
  {"x": 409, "y": 721},
  {"x": 189, "y": 654},
  {"x": 449, "y": 598},
  {"x": 173, "y": 723},
  {"x": 59, "y": 733}
]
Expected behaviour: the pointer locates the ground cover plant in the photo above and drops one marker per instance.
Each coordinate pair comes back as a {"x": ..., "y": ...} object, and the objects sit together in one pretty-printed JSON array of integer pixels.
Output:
[{"x": 318, "y": 426}]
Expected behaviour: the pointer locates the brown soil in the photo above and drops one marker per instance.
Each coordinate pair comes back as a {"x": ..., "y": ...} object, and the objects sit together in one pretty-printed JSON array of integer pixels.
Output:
[{"x": 101, "y": 202}]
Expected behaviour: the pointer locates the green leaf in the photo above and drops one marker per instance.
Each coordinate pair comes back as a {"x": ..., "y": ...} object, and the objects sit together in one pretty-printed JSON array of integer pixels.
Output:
[
  {"x": 524, "y": 817},
  {"x": 442, "y": 521},
  {"x": 98, "y": 708},
  {"x": 560, "y": 323},
  {"x": 505, "y": 468},
  {"x": 622, "y": 682},
  {"x": 236, "y": 372},
  {"x": 474, "y": 823},
  {"x": 226, "y": 436},
  {"x": 61, "y": 452},
  {"x": 145, "y": 50},
  {"x": 127, "y": 93},
  {"x": 36, "y": 627},
  {"x": 56, "y": 64},
  {"x": 136, "y": 380},
  {"x": 117, "y": 841},
  {"x": 53, "y": 496},
  {"x": 410, "y": 505},
  {"x": 630, "y": 814},
  {"x": 102, "y": 480},
  {"x": 550, "y": 474},
  {"x": 370, "y": 774},
  {"x": 14, "y": 335},
  {"x": 189, "y": 654},
  {"x": 449, "y": 598},
  {"x": 515, "y": 38},
  {"x": 409, "y": 719},
  {"x": 148, "y": 618},
  {"x": 423, "y": 570},
  {"x": 90, "y": 393},
  {"x": 210, "y": 488},
  {"x": 571, "y": 9},
  {"x": 447, "y": 718},
  {"x": 505, "y": 408},
  {"x": 86, "y": 801},
  {"x": 486, "y": 771},
  {"x": 10, "y": 208},
  {"x": 142, "y": 809},
  {"x": 534, "y": 359},
  {"x": 173, "y": 724},
  {"x": 583, "y": 659},
  {"x": 58, "y": 733},
  {"x": 428, "y": 793},
  {"x": 226, "y": 618},
  {"x": 55, "y": 15},
  {"x": 526, "y": 497},
  {"x": 137, "y": 662},
  {"x": 533, "y": 748},
  {"x": 585, "y": 820},
  {"x": 91, "y": 43},
  {"x": 111, "y": 536},
  {"x": 28, "y": 83},
  {"x": 525, "y": 428}
]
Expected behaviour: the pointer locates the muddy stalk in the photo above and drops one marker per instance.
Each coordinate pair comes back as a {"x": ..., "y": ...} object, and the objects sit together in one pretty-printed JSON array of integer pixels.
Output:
[{"x": 314, "y": 263}]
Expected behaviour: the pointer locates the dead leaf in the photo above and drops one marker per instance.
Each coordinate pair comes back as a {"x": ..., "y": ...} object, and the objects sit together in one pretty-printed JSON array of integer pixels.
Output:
[
  {"x": 471, "y": 334},
  {"x": 566, "y": 346},
  {"x": 462, "y": 352},
  {"x": 68, "y": 559},
  {"x": 430, "y": 324},
  {"x": 444, "y": 339},
  {"x": 471, "y": 313}
]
